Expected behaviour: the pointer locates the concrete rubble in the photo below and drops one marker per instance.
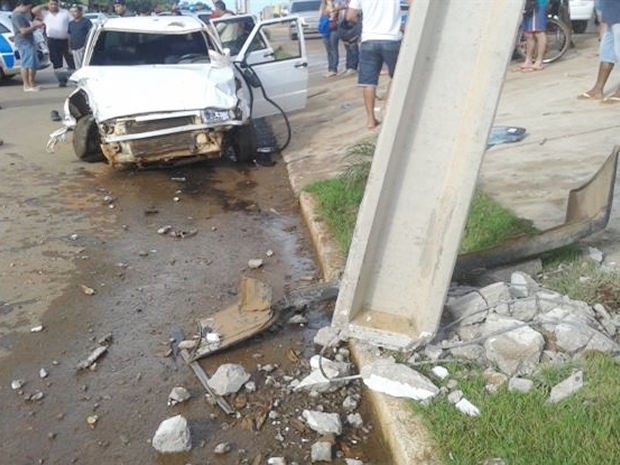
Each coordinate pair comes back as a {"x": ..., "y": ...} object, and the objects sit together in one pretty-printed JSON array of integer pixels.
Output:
[
  {"x": 398, "y": 380},
  {"x": 566, "y": 388},
  {"x": 228, "y": 379},
  {"x": 177, "y": 395},
  {"x": 323, "y": 423},
  {"x": 172, "y": 436},
  {"x": 321, "y": 451}
]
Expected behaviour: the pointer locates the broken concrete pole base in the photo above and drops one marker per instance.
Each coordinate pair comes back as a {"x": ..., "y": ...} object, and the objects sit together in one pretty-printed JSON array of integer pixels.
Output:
[{"x": 172, "y": 436}]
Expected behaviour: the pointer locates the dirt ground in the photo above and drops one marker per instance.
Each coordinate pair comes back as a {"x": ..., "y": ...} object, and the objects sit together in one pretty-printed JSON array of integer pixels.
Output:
[{"x": 66, "y": 225}]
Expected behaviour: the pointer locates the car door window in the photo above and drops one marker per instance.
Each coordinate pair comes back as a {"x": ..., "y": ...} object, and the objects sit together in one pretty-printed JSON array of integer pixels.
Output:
[{"x": 273, "y": 40}]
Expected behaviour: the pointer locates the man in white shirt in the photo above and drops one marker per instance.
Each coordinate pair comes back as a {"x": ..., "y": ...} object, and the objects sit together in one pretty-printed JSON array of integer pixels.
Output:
[
  {"x": 56, "y": 21},
  {"x": 381, "y": 37}
]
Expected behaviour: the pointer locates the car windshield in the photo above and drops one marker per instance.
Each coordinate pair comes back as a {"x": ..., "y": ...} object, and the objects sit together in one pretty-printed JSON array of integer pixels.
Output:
[
  {"x": 302, "y": 7},
  {"x": 121, "y": 48}
]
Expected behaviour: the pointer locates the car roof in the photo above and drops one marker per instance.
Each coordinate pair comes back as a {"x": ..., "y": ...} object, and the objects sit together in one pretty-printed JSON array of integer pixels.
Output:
[{"x": 154, "y": 24}]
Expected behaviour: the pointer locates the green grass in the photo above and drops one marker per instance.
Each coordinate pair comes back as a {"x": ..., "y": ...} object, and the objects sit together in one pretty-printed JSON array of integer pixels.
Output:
[
  {"x": 523, "y": 429},
  {"x": 488, "y": 223}
]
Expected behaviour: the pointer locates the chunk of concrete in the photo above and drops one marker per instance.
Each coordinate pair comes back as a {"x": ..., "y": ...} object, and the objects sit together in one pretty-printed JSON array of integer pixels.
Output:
[
  {"x": 342, "y": 368},
  {"x": 547, "y": 300},
  {"x": 172, "y": 436},
  {"x": 177, "y": 395},
  {"x": 315, "y": 381},
  {"x": 524, "y": 309},
  {"x": 323, "y": 423},
  {"x": 472, "y": 352},
  {"x": 523, "y": 385},
  {"x": 522, "y": 285},
  {"x": 398, "y": 380},
  {"x": 472, "y": 308},
  {"x": 566, "y": 388},
  {"x": 602, "y": 343},
  {"x": 228, "y": 379},
  {"x": 327, "y": 336},
  {"x": 466, "y": 407},
  {"x": 516, "y": 351},
  {"x": 440, "y": 372},
  {"x": 321, "y": 451},
  {"x": 355, "y": 420},
  {"x": 432, "y": 352}
]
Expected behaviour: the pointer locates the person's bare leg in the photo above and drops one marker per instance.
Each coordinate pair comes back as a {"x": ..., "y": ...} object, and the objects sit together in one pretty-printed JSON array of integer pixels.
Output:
[
  {"x": 541, "y": 48},
  {"x": 530, "y": 44},
  {"x": 369, "y": 105},
  {"x": 597, "y": 92},
  {"x": 25, "y": 78}
]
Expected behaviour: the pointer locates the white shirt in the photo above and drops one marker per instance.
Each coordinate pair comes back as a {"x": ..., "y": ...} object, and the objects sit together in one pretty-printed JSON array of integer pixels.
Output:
[
  {"x": 381, "y": 19},
  {"x": 57, "y": 24}
]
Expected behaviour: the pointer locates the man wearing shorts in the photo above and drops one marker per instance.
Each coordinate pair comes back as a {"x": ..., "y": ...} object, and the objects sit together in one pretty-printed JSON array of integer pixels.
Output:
[
  {"x": 535, "y": 28},
  {"x": 381, "y": 37},
  {"x": 24, "y": 41},
  {"x": 609, "y": 52}
]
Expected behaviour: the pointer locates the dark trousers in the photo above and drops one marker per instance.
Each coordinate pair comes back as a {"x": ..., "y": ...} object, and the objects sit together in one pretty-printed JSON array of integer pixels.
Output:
[{"x": 59, "y": 49}]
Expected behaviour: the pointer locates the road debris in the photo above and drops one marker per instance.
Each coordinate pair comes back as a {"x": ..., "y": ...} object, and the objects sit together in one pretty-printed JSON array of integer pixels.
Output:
[
  {"x": 87, "y": 290},
  {"x": 255, "y": 263},
  {"x": 228, "y": 379},
  {"x": 177, "y": 395},
  {"x": 92, "y": 358},
  {"x": 36, "y": 329},
  {"x": 92, "y": 420},
  {"x": 172, "y": 436},
  {"x": 43, "y": 373},
  {"x": 17, "y": 384}
]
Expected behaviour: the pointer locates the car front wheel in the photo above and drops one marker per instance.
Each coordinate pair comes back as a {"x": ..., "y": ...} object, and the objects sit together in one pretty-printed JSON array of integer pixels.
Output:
[{"x": 86, "y": 140}]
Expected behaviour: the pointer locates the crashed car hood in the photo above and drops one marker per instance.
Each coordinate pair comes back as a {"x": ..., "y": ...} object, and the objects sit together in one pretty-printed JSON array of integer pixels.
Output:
[{"x": 116, "y": 91}]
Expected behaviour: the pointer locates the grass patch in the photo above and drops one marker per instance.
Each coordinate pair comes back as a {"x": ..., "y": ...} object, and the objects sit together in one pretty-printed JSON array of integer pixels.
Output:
[
  {"x": 488, "y": 223},
  {"x": 583, "y": 279},
  {"x": 523, "y": 429}
]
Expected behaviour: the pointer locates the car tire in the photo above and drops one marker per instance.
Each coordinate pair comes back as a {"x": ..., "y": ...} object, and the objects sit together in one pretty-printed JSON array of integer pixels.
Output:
[
  {"x": 86, "y": 140},
  {"x": 579, "y": 26},
  {"x": 245, "y": 143}
]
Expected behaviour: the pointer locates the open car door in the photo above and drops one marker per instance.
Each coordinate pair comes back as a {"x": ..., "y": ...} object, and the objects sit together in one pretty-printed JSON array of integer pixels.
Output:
[{"x": 266, "y": 52}]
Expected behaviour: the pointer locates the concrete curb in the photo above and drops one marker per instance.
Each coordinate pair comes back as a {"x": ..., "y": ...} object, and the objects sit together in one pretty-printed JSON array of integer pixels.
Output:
[{"x": 408, "y": 441}]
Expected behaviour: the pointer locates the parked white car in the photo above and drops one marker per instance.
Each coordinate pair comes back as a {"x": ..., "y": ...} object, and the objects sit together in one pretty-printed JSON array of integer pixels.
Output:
[
  {"x": 156, "y": 89},
  {"x": 9, "y": 56},
  {"x": 581, "y": 12}
]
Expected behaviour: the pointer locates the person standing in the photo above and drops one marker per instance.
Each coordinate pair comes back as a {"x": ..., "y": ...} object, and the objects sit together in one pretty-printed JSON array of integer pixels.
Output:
[
  {"x": 351, "y": 45},
  {"x": 120, "y": 9},
  {"x": 56, "y": 21},
  {"x": 24, "y": 29},
  {"x": 78, "y": 30},
  {"x": 535, "y": 29},
  {"x": 329, "y": 11},
  {"x": 609, "y": 52},
  {"x": 381, "y": 38}
]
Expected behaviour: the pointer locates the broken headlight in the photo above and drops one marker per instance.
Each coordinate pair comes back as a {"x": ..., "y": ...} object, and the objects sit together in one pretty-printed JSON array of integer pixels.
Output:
[{"x": 216, "y": 116}]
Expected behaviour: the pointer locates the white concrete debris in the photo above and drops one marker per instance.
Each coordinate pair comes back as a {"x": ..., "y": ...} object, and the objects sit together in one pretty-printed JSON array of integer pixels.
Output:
[
  {"x": 433, "y": 352},
  {"x": 455, "y": 396},
  {"x": 595, "y": 255},
  {"x": 315, "y": 381},
  {"x": 172, "y": 436},
  {"x": 471, "y": 308},
  {"x": 43, "y": 373},
  {"x": 323, "y": 423},
  {"x": 355, "y": 420},
  {"x": 228, "y": 379},
  {"x": 222, "y": 448},
  {"x": 17, "y": 384},
  {"x": 522, "y": 285},
  {"x": 342, "y": 368},
  {"x": 177, "y": 395},
  {"x": 398, "y": 380},
  {"x": 353, "y": 462},
  {"x": 515, "y": 351},
  {"x": 321, "y": 451},
  {"x": 36, "y": 329},
  {"x": 327, "y": 336},
  {"x": 350, "y": 403},
  {"x": 473, "y": 352},
  {"x": 566, "y": 388},
  {"x": 255, "y": 263},
  {"x": 276, "y": 461},
  {"x": 524, "y": 309},
  {"x": 520, "y": 384},
  {"x": 466, "y": 407},
  {"x": 92, "y": 358},
  {"x": 440, "y": 372}
]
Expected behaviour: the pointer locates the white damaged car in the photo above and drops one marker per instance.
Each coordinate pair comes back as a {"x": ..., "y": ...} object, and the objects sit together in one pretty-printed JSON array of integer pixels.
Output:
[{"x": 159, "y": 89}]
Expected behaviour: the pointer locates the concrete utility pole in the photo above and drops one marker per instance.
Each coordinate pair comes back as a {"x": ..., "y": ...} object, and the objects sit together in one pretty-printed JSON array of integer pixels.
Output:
[{"x": 443, "y": 100}]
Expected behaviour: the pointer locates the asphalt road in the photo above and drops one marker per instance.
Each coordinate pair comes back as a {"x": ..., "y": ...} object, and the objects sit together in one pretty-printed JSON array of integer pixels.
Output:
[{"x": 69, "y": 226}]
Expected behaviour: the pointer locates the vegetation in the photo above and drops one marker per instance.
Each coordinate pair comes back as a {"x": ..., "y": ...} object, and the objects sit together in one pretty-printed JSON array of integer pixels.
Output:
[
  {"x": 339, "y": 198},
  {"x": 523, "y": 429}
]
